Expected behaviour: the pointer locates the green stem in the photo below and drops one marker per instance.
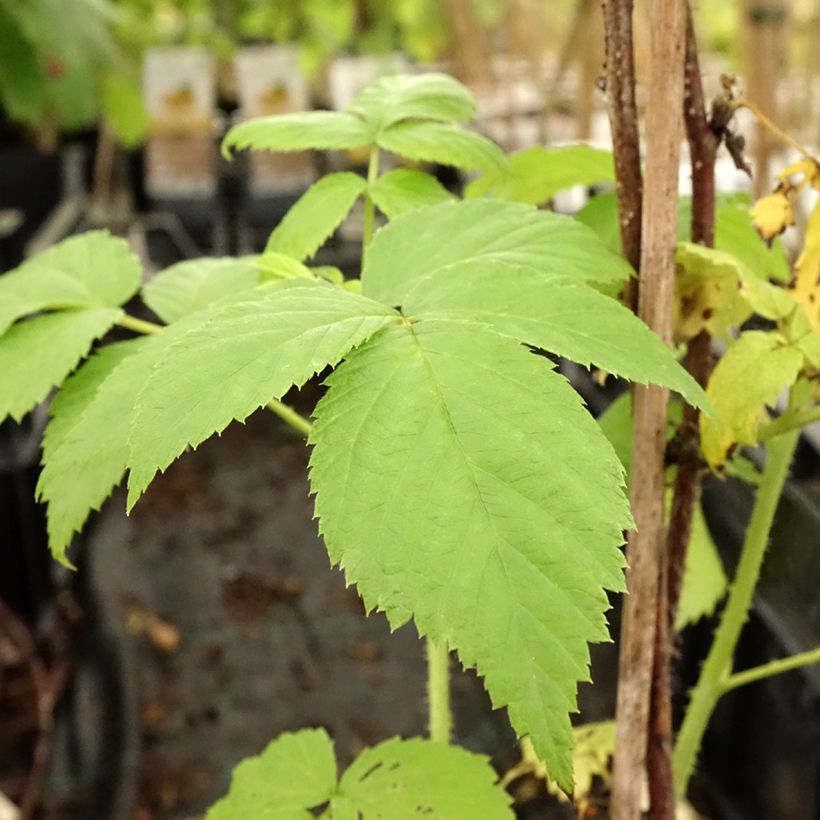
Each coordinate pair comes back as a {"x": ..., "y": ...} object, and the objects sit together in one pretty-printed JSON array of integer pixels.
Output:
[
  {"x": 438, "y": 690},
  {"x": 369, "y": 207},
  {"x": 717, "y": 668},
  {"x": 790, "y": 421},
  {"x": 138, "y": 325},
  {"x": 289, "y": 415},
  {"x": 767, "y": 670}
]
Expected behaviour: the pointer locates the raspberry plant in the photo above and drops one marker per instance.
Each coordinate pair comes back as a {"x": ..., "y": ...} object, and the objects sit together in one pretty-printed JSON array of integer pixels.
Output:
[{"x": 459, "y": 481}]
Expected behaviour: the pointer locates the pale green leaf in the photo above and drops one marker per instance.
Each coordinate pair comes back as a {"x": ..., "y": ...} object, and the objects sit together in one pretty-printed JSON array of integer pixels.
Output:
[
  {"x": 750, "y": 375},
  {"x": 704, "y": 579},
  {"x": 319, "y": 130},
  {"x": 765, "y": 299},
  {"x": 460, "y": 481},
  {"x": 38, "y": 354},
  {"x": 422, "y": 96},
  {"x": 242, "y": 356},
  {"x": 194, "y": 284},
  {"x": 84, "y": 447},
  {"x": 124, "y": 108},
  {"x": 273, "y": 266},
  {"x": 809, "y": 346},
  {"x": 294, "y": 774},
  {"x": 418, "y": 779},
  {"x": 418, "y": 244},
  {"x": 93, "y": 269},
  {"x": 601, "y": 215},
  {"x": 537, "y": 174},
  {"x": 442, "y": 144},
  {"x": 616, "y": 424},
  {"x": 404, "y": 189},
  {"x": 558, "y": 315},
  {"x": 316, "y": 215}
]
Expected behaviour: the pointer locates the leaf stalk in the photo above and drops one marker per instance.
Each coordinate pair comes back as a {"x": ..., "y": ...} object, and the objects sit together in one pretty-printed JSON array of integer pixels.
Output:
[{"x": 438, "y": 691}]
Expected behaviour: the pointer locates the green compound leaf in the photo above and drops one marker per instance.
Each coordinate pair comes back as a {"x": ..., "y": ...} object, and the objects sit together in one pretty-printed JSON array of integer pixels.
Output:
[
  {"x": 295, "y": 773},
  {"x": 194, "y": 284},
  {"x": 316, "y": 215},
  {"x": 295, "y": 777},
  {"x": 423, "y": 96},
  {"x": 38, "y": 354},
  {"x": 704, "y": 579},
  {"x": 93, "y": 269},
  {"x": 460, "y": 481},
  {"x": 318, "y": 130},
  {"x": 240, "y": 357},
  {"x": 418, "y": 779},
  {"x": 750, "y": 375},
  {"x": 85, "y": 444},
  {"x": 418, "y": 244},
  {"x": 559, "y": 315},
  {"x": 404, "y": 189},
  {"x": 537, "y": 174},
  {"x": 442, "y": 144}
]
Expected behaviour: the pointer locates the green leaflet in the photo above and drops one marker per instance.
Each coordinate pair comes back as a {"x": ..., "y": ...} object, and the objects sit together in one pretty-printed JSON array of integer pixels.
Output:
[
  {"x": 240, "y": 357},
  {"x": 734, "y": 232},
  {"x": 420, "y": 243},
  {"x": 537, "y": 174},
  {"x": 559, "y": 315},
  {"x": 273, "y": 266},
  {"x": 124, "y": 107},
  {"x": 93, "y": 269},
  {"x": 404, "y": 189},
  {"x": 396, "y": 780},
  {"x": 459, "y": 481},
  {"x": 316, "y": 215},
  {"x": 417, "y": 779},
  {"x": 38, "y": 354},
  {"x": 750, "y": 375},
  {"x": 704, "y": 579},
  {"x": 194, "y": 284},
  {"x": 423, "y": 96},
  {"x": 318, "y": 130},
  {"x": 443, "y": 144},
  {"x": 85, "y": 444},
  {"x": 296, "y": 772}
]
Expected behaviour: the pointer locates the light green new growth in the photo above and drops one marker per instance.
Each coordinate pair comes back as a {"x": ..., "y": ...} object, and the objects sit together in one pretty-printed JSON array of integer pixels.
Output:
[
  {"x": 403, "y": 189},
  {"x": 295, "y": 776},
  {"x": 537, "y": 174},
  {"x": 316, "y": 215}
]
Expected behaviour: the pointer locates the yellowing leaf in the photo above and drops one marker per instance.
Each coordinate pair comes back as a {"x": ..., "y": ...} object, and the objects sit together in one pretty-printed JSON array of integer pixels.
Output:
[
  {"x": 806, "y": 287},
  {"x": 749, "y": 376},
  {"x": 706, "y": 291},
  {"x": 772, "y": 214}
]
